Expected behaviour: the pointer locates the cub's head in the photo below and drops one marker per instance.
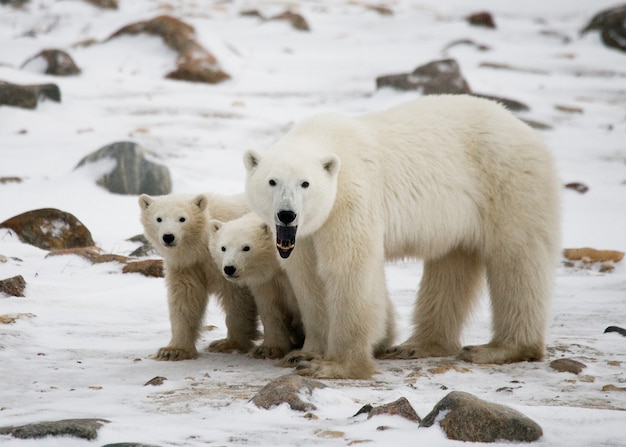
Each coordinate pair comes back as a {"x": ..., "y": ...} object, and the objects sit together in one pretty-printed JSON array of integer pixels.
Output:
[
  {"x": 173, "y": 221},
  {"x": 243, "y": 249},
  {"x": 292, "y": 192}
]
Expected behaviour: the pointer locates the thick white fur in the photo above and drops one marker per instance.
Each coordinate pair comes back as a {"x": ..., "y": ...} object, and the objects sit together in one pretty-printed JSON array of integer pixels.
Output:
[
  {"x": 455, "y": 180},
  {"x": 244, "y": 250},
  {"x": 190, "y": 273}
]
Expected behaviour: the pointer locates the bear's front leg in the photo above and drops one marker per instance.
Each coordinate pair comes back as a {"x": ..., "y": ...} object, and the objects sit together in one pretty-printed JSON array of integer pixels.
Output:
[{"x": 187, "y": 300}]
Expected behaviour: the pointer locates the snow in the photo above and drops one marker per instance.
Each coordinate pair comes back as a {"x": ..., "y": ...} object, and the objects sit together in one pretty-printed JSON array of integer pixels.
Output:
[{"x": 83, "y": 347}]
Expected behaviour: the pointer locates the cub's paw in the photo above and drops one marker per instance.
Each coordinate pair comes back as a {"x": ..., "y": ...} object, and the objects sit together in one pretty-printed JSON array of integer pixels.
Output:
[
  {"x": 227, "y": 346},
  {"x": 294, "y": 358},
  {"x": 267, "y": 352},
  {"x": 173, "y": 354}
]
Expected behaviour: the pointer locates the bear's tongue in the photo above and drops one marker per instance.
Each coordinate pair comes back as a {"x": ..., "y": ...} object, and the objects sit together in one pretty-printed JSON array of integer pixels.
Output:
[{"x": 285, "y": 240}]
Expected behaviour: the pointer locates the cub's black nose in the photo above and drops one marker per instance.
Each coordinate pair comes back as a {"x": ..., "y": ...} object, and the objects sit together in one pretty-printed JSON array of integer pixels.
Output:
[
  {"x": 286, "y": 216},
  {"x": 168, "y": 238},
  {"x": 230, "y": 270}
]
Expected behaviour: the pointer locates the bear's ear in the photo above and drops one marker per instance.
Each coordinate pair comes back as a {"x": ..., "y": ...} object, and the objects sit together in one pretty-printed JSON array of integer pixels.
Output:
[
  {"x": 265, "y": 228},
  {"x": 200, "y": 201},
  {"x": 215, "y": 225},
  {"x": 145, "y": 201},
  {"x": 251, "y": 160},
  {"x": 331, "y": 164}
]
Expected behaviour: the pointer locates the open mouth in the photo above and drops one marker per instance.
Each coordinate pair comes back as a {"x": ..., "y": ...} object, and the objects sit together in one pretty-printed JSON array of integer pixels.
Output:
[{"x": 285, "y": 240}]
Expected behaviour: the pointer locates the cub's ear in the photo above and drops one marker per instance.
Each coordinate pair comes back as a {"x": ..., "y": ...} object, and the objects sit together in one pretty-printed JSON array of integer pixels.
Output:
[
  {"x": 331, "y": 164},
  {"x": 145, "y": 201},
  {"x": 200, "y": 201},
  {"x": 215, "y": 225},
  {"x": 251, "y": 160}
]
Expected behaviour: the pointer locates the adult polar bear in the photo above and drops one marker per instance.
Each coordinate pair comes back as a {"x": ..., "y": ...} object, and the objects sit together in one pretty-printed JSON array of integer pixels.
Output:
[{"x": 455, "y": 180}]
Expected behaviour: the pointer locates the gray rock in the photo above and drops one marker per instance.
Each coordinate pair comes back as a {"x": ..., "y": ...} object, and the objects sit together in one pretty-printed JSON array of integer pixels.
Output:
[
  {"x": 57, "y": 62},
  {"x": 13, "y": 286},
  {"x": 79, "y": 428},
  {"x": 133, "y": 173},
  {"x": 436, "y": 77},
  {"x": 468, "y": 418},
  {"x": 287, "y": 389},
  {"x": 27, "y": 96}
]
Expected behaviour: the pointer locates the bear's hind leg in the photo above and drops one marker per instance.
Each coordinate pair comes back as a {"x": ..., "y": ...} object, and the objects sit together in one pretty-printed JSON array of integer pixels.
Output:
[
  {"x": 448, "y": 292},
  {"x": 520, "y": 286}
]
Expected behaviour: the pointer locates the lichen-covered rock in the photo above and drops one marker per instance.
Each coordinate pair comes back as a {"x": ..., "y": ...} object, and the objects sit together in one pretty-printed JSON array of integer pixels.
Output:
[
  {"x": 13, "y": 286},
  {"x": 79, "y": 428},
  {"x": 287, "y": 389},
  {"x": 49, "y": 229},
  {"x": 464, "y": 417}
]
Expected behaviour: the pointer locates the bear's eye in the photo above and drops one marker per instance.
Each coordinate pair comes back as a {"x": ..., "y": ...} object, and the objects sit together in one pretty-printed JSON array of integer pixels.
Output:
[
  {"x": 223, "y": 248},
  {"x": 182, "y": 219},
  {"x": 272, "y": 182},
  {"x": 246, "y": 248},
  {"x": 305, "y": 185},
  {"x": 159, "y": 219}
]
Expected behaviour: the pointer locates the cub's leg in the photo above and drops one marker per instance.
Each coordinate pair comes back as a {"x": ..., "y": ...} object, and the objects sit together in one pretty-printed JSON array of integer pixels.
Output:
[{"x": 449, "y": 290}]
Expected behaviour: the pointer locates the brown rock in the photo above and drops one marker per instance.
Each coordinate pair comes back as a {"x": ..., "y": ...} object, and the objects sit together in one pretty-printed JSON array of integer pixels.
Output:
[
  {"x": 613, "y": 388},
  {"x": 437, "y": 77},
  {"x": 49, "y": 229},
  {"x": 58, "y": 62},
  {"x": 104, "y": 4},
  {"x": 567, "y": 365},
  {"x": 576, "y": 254},
  {"x": 483, "y": 19},
  {"x": 194, "y": 62},
  {"x": 27, "y": 96},
  {"x": 13, "y": 286},
  {"x": 611, "y": 23},
  {"x": 400, "y": 407},
  {"x": 287, "y": 389},
  {"x": 578, "y": 187},
  {"x": 93, "y": 254},
  {"x": 468, "y": 418},
  {"x": 149, "y": 267},
  {"x": 4, "y": 180},
  {"x": 296, "y": 20}
]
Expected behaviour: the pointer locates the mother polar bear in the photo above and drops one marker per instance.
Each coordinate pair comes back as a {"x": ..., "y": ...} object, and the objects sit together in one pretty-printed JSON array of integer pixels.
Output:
[{"x": 455, "y": 180}]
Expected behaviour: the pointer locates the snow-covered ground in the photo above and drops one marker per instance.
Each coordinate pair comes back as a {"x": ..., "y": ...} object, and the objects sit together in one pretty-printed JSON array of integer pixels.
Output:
[{"x": 83, "y": 348}]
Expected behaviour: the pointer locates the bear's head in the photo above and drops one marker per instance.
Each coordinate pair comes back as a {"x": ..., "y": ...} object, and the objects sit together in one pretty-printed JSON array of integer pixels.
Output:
[
  {"x": 174, "y": 222},
  {"x": 243, "y": 249},
  {"x": 293, "y": 193}
]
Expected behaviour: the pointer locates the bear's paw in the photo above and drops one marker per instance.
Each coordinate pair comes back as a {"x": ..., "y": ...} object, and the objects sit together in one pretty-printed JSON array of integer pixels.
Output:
[{"x": 170, "y": 353}]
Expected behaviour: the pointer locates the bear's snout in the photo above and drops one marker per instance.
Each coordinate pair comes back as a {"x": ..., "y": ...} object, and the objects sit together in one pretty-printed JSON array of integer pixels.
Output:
[
  {"x": 230, "y": 270},
  {"x": 168, "y": 238},
  {"x": 286, "y": 216}
]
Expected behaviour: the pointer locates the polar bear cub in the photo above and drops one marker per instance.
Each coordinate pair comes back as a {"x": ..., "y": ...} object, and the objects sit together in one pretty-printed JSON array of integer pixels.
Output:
[
  {"x": 177, "y": 226},
  {"x": 245, "y": 253},
  {"x": 455, "y": 180}
]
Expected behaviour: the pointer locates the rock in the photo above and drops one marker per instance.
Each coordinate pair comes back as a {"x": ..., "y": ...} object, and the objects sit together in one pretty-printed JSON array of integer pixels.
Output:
[
  {"x": 92, "y": 254},
  {"x": 613, "y": 388},
  {"x": 79, "y": 428},
  {"x": 437, "y": 77},
  {"x": 12, "y": 318},
  {"x": 287, "y": 389},
  {"x": 575, "y": 254},
  {"x": 194, "y": 62},
  {"x": 464, "y": 417},
  {"x": 149, "y": 267},
  {"x": 13, "y": 2},
  {"x": 483, "y": 19},
  {"x": 13, "y": 286},
  {"x": 57, "y": 62},
  {"x": 27, "y": 96},
  {"x": 400, "y": 407},
  {"x": 578, "y": 187},
  {"x": 133, "y": 173},
  {"x": 156, "y": 381},
  {"x": 619, "y": 330},
  {"x": 49, "y": 229},
  {"x": 296, "y": 20},
  {"x": 104, "y": 4},
  {"x": 611, "y": 23},
  {"x": 4, "y": 180},
  {"x": 567, "y": 365}
]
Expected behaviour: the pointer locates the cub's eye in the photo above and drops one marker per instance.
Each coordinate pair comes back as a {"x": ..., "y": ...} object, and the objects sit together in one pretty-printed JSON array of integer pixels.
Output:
[
  {"x": 182, "y": 219},
  {"x": 159, "y": 219},
  {"x": 305, "y": 185},
  {"x": 223, "y": 248},
  {"x": 272, "y": 182},
  {"x": 246, "y": 248}
]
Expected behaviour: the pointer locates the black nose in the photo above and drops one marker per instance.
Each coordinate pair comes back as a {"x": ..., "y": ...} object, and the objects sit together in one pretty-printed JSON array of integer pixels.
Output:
[
  {"x": 286, "y": 216},
  {"x": 230, "y": 270},
  {"x": 168, "y": 238}
]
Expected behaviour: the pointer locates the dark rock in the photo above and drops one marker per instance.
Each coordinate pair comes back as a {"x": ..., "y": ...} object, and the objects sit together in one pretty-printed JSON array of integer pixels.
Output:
[
  {"x": 567, "y": 365},
  {"x": 150, "y": 267},
  {"x": 194, "y": 62},
  {"x": 578, "y": 187},
  {"x": 537, "y": 124},
  {"x": 13, "y": 286},
  {"x": 129, "y": 444},
  {"x": 437, "y": 77},
  {"x": 133, "y": 173},
  {"x": 400, "y": 407},
  {"x": 365, "y": 409},
  {"x": 58, "y": 62},
  {"x": 13, "y": 2},
  {"x": 483, "y": 19},
  {"x": 156, "y": 381},
  {"x": 104, "y": 4},
  {"x": 4, "y": 180},
  {"x": 287, "y": 389},
  {"x": 468, "y": 418},
  {"x": 611, "y": 23},
  {"x": 143, "y": 251},
  {"x": 619, "y": 330},
  {"x": 27, "y": 96},
  {"x": 79, "y": 428},
  {"x": 49, "y": 229},
  {"x": 511, "y": 104},
  {"x": 295, "y": 20}
]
